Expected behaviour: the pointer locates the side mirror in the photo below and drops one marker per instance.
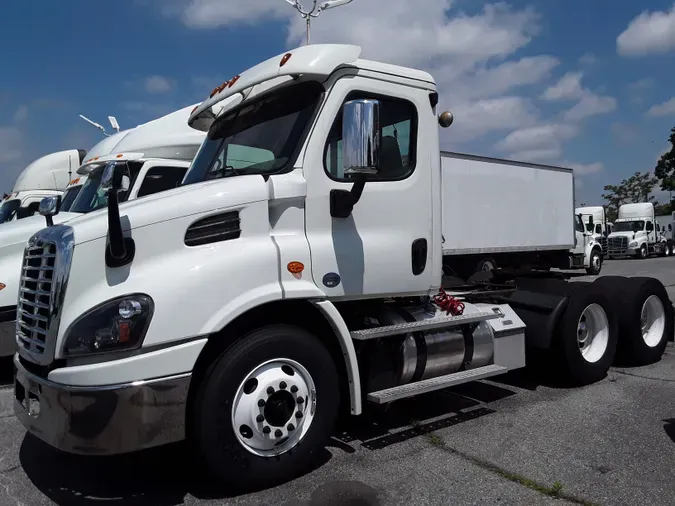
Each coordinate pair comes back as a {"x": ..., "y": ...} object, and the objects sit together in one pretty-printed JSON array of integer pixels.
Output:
[
  {"x": 114, "y": 177},
  {"x": 361, "y": 137},
  {"x": 49, "y": 207}
]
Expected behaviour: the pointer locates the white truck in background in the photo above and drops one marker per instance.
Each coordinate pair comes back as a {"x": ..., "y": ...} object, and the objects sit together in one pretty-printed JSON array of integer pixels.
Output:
[
  {"x": 71, "y": 192},
  {"x": 637, "y": 233},
  {"x": 294, "y": 275},
  {"x": 45, "y": 177},
  {"x": 156, "y": 156},
  {"x": 596, "y": 223},
  {"x": 535, "y": 205},
  {"x": 666, "y": 222}
]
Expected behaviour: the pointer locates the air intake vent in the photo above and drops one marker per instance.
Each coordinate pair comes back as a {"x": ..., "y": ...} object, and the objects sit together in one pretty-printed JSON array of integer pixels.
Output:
[{"x": 221, "y": 227}]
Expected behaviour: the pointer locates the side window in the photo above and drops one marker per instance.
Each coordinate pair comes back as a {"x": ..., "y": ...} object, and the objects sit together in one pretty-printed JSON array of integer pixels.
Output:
[
  {"x": 670, "y": 227},
  {"x": 598, "y": 229},
  {"x": 398, "y": 126},
  {"x": 29, "y": 210},
  {"x": 159, "y": 179}
]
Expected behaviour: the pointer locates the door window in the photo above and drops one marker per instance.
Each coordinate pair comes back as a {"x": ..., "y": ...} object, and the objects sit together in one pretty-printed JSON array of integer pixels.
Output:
[
  {"x": 159, "y": 179},
  {"x": 398, "y": 128}
]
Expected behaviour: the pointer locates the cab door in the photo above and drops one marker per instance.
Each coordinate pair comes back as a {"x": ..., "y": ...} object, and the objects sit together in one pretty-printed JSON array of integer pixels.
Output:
[{"x": 384, "y": 246}]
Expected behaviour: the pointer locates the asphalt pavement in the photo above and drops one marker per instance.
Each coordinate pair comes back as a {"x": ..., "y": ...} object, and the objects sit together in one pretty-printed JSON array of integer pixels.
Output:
[{"x": 514, "y": 440}]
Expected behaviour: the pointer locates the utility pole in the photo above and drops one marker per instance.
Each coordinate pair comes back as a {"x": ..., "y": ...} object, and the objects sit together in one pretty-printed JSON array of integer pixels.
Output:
[{"x": 314, "y": 12}]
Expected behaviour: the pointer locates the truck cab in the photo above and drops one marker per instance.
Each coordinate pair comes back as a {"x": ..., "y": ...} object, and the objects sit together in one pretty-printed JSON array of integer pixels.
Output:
[
  {"x": 45, "y": 177},
  {"x": 588, "y": 246},
  {"x": 637, "y": 233}
]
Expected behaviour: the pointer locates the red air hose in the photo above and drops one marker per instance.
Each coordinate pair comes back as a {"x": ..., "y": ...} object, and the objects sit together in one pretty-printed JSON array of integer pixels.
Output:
[{"x": 448, "y": 303}]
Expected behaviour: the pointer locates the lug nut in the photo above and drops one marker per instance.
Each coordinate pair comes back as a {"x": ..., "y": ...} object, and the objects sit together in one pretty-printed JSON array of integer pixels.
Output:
[
  {"x": 278, "y": 433},
  {"x": 266, "y": 429},
  {"x": 270, "y": 390},
  {"x": 294, "y": 389},
  {"x": 291, "y": 426},
  {"x": 298, "y": 414},
  {"x": 282, "y": 385},
  {"x": 260, "y": 419},
  {"x": 301, "y": 400},
  {"x": 261, "y": 403}
]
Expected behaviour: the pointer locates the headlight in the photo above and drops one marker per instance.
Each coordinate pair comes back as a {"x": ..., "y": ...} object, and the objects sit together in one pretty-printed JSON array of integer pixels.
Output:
[
  {"x": 115, "y": 325},
  {"x": 633, "y": 244}
]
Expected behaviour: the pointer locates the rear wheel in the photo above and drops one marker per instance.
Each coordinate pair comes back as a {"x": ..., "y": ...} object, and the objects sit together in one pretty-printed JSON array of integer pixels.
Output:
[
  {"x": 588, "y": 336},
  {"x": 266, "y": 407},
  {"x": 645, "y": 318}
]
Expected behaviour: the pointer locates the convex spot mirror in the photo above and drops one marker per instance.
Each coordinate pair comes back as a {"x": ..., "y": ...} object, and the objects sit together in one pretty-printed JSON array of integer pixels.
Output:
[{"x": 115, "y": 177}]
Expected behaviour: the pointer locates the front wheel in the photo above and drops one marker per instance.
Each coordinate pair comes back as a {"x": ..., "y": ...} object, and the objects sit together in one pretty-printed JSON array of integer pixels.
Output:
[
  {"x": 643, "y": 253},
  {"x": 266, "y": 407},
  {"x": 595, "y": 264}
]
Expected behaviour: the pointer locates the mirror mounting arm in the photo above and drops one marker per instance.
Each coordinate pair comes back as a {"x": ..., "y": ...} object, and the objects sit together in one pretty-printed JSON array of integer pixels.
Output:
[{"x": 342, "y": 202}]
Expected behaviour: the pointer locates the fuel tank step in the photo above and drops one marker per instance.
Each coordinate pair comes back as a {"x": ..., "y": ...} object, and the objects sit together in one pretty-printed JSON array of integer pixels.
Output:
[
  {"x": 431, "y": 384},
  {"x": 437, "y": 322}
]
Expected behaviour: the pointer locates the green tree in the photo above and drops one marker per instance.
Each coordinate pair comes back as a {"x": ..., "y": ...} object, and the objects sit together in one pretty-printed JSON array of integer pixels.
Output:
[
  {"x": 636, "y": 188},
  {"x": 665, "y": 167}
]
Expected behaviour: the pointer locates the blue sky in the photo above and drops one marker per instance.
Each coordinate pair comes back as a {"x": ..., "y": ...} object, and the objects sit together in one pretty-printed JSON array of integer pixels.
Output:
[{"x": 585, "y": 84}]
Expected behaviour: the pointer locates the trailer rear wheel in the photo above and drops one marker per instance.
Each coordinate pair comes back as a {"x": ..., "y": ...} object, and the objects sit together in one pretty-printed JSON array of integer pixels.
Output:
[
  {"x": 645, "y": 318},
  {"x": 588, "y": 336},
  {"x": 266, "y": 407}
]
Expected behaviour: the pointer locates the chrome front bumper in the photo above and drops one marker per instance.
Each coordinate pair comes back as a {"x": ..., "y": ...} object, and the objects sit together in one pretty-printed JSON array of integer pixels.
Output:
[
  {"x": 7, "y": 332},
  {"x": 104, "y": 420}
]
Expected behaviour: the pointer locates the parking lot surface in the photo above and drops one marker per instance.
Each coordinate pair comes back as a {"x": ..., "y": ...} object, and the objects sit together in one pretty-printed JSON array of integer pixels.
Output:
[{"x": 515, "y": 440}]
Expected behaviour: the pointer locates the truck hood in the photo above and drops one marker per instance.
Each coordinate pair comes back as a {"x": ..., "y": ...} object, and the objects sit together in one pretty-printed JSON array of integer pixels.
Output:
[
  {"x": 19, "y": 231},
  {"x": 625, "y": 234},
  {"x": 176, "y": 203}
]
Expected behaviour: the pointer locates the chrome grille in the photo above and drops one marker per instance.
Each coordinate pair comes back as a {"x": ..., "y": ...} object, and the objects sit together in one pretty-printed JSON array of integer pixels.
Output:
[
  {"x": 35, "y": 293},
  {"x": 44, "y": 276},
  {"x": 617, "y": 245},
  {"x": 603, "y": 244}
]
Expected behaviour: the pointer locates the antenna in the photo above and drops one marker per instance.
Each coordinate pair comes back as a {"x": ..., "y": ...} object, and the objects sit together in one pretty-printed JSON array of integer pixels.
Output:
[
  {"x": 114, "y": 123},
  {"x": 70, "y": 168},
  {"x": 307, "y": 15},
  {"x": 94, "y": 124}
]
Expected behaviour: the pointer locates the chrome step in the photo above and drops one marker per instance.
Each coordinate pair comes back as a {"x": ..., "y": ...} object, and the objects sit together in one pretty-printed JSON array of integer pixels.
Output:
[
  {"x": 437, "y": 322},
  {"x": 431, "y": 384}
]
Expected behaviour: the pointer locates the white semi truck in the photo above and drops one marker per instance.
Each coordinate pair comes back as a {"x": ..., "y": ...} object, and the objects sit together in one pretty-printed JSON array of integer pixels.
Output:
[
  {"x": 45, "y": 177},
  {"x": 296, "y": 272},
  {"x": 637, "y": 233},
  {"x": 156, "y": 155},
  {"x": 535, "y": 206},
  {"x": 595, "y": 220}
]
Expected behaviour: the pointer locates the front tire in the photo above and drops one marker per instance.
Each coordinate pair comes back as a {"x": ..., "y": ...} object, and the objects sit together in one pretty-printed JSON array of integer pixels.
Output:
[
  {"x": 266, "y": 407},
  {"x": 643, "y": 253},
  {"x": 595, "y": 264}
]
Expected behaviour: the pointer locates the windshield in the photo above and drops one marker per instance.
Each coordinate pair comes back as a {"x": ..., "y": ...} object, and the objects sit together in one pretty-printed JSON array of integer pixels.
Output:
[
  {"x": 8, "y": 209},
  {"x": 260, "y": 137},
  {"x": 69, "y": 197},
  {"x": 91, "y": 196},
  {"x": 629, "y": 226}
]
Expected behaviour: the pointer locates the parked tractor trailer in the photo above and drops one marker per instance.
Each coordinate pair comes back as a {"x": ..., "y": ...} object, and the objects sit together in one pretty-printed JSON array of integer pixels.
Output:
[{"x": 295, "y": 274}]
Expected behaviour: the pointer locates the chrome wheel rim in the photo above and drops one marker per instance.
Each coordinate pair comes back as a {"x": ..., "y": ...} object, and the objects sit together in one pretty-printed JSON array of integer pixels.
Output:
[
  {"x": 652, "y": 321},
  {"x": 593, "y": 333},
  {"x": 274, "y": 407}
]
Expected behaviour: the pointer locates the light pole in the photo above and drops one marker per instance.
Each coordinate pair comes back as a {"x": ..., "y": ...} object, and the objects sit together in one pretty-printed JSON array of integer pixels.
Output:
[{"x": 314, "y": 12}]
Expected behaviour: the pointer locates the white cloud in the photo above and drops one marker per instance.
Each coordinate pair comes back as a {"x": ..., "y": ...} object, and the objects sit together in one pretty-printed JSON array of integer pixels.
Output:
[
  {"x": 582, "y": 169},
  {"x": 642, "y": 84},
  {"x": 666, "y": 108},
  {"x": 217, "y": 13},
  {"x": 537, "y": 143},
  {"x": 590, "y": 105},
  {"x": 625, "y": 133},
  {"x": 21, "y": 113},
  {"x": 568, "y": 88},
  {"x": 157, "y": 84},
  {"x": 10, "y": 142},
  {"x": 648, "y": 33},
  {"x": 587, "y": 59}
]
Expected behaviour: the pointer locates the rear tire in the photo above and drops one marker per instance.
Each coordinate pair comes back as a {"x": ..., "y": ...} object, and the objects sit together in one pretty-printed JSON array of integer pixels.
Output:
[
  {"x": 588, "y": 336},
  {"x": 284, "y": 435},
  {"x": 645, "y": 318}
]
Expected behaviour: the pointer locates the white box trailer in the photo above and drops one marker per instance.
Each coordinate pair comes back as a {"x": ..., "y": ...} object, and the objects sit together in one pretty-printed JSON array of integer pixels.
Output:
[{"x": 505, "y": 213}]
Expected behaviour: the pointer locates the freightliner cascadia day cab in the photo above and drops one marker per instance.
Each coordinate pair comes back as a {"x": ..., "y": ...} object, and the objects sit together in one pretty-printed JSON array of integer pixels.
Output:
[
  {"x": 155, "y": 155},
  {"x": 637, "y": 233},
  {"x": 296, "y": 271},
  {"x": 595, "y": 221},
  {"x": 535, "y": 205},
  {"x": 45, "y": 177},
  {"x": 666, "y": 221}
]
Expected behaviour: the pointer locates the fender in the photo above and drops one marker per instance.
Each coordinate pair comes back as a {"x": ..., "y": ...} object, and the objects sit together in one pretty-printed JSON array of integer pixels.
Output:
[{"x": 330, "y": 312}]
